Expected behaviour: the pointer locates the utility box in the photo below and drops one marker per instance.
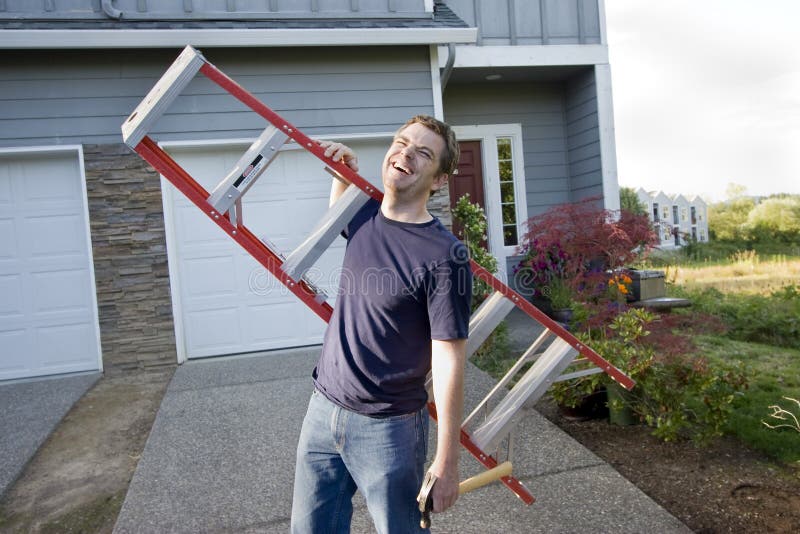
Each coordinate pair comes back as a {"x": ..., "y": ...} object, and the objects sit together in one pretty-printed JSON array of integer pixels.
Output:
[{"x": 648, "y": 285}]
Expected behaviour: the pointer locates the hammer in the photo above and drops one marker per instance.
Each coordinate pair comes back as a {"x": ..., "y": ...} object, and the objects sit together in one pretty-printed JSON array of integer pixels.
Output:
[{"x": 424, "y": 497}]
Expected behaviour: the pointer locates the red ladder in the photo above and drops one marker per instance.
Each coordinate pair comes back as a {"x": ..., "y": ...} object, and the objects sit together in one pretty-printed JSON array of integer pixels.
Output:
[{"x": 551, "y": 353}]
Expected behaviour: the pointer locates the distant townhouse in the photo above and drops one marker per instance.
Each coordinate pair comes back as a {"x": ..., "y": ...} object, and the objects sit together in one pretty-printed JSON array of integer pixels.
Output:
[{"x": 676, "y": 219}]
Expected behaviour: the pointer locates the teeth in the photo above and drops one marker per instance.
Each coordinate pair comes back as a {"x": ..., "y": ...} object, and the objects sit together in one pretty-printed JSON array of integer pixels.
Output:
[{"x": 401, "y": 169}]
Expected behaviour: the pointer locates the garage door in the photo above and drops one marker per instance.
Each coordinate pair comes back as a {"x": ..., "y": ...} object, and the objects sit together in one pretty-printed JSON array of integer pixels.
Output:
[
  {"x": 48, "y": 312},
  {"x": 224, "y": 301}
]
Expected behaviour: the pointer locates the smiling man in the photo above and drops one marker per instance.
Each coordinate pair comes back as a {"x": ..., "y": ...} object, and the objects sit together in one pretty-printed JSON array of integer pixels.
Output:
[{"x": 402, "y": 310}]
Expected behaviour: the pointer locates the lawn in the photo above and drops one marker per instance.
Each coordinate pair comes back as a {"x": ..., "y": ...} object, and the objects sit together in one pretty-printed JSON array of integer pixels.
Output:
[{"x": 774, "y": 373}]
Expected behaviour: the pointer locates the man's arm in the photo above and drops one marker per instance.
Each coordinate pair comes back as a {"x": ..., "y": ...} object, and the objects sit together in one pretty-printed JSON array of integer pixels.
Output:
[
  {"x": 447, "y": 368},
  {"x": 339, "y": 152}
]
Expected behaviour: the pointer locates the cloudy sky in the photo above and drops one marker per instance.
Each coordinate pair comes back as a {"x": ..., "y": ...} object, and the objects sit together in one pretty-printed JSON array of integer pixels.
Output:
[{"x": 706, "y": 93}]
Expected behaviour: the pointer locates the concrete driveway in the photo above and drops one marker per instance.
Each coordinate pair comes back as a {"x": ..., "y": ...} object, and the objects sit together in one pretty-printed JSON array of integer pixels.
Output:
[{"x": 220, "y": 458}]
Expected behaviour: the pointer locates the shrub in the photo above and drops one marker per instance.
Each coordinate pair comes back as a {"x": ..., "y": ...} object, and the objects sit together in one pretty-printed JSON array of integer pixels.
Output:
[
  {"x": 677, "y": 393},
  {"x": 473, "y": 220},
  {"x": 579, "y": 242}
]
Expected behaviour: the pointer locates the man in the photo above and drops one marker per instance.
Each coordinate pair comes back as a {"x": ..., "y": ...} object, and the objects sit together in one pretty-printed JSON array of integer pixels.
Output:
[{"x": 402, "y": 310}]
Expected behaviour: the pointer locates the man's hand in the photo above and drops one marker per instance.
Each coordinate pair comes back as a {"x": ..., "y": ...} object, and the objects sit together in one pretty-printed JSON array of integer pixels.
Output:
[
  {"x": 444, "y": 493},
  {"x": 343, "y": 153},
  {"x": 340, "y": 152}
]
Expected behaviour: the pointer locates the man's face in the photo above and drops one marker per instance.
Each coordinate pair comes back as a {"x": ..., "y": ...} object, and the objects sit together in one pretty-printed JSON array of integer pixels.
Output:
[{"x": 411, "y": 165}]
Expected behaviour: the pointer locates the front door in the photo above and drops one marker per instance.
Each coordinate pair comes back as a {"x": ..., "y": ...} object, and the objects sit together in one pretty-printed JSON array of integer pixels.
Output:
[{"x": 468, "y": 180}]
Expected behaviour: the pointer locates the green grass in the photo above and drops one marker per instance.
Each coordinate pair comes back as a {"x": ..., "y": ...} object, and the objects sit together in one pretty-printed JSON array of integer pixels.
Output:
[{"x": 774, "y": 373}]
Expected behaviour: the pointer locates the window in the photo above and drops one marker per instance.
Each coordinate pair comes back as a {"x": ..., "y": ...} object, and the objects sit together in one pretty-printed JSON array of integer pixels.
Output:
[
  {"x": 694, "y": 215},
  {"x": 655, "y": 212},
  {"x": 508, "y": 194},
  {"x": 665, "y": 213},
  {"x": 684, "y": 215}
]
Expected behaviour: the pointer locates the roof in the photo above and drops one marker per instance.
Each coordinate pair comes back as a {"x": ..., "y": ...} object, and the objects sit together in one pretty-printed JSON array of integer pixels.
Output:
[{"x": 443, "y": 27}]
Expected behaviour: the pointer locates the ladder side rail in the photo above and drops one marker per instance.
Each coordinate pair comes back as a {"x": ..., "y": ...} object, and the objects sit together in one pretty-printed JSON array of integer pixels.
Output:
[
  {"x": 489, "y": 462},
  {"x": 526, "y": 392},
  {"x": 620, "y": 377},
  {"x": 173, "y": 172},
  {"x": 227, "y": 83},
  {"x": 525, "y": 358}
]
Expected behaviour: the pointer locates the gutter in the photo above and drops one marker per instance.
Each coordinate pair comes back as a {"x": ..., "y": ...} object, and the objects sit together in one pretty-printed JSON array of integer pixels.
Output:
[
  {"x": 231, "y": 38},
  {"x": 111, "y": 11},
  {"x": 448, "y": 68}
]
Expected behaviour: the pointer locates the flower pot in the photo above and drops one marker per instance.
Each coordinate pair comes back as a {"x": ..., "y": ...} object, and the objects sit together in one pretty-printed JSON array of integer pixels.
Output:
[
  {"x": 619, "y": 410},
  {"x": 562, "y": 316}
]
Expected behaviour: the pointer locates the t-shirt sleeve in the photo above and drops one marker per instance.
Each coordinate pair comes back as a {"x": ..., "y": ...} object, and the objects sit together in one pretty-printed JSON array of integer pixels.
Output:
[
  {"x": 367, "y": 210},
  {"x": 449, "y": 295}
]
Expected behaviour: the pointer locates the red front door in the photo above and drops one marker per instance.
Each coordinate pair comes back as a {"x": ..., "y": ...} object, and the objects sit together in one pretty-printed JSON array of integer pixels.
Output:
[{"x": 469, "y": 179}]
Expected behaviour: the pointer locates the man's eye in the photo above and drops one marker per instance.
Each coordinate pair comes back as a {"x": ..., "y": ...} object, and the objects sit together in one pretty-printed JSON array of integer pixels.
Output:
[{"x": 426, "y": 155}]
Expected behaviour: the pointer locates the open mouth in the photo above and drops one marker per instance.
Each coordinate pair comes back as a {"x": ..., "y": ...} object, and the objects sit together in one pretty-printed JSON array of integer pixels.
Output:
[{"x": 400, "y": 168}]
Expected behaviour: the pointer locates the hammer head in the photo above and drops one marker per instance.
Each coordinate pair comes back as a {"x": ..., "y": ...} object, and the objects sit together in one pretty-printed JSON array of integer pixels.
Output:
[{"x": 425, "y": 501}]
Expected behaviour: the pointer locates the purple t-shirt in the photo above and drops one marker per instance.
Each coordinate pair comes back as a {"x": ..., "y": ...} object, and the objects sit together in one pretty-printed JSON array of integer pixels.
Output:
[{"x": 402, "y": 285}]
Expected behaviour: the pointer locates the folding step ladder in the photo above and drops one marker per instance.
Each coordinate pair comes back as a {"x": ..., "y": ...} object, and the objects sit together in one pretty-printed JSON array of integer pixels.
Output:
[{"x": 487, "y": 430}]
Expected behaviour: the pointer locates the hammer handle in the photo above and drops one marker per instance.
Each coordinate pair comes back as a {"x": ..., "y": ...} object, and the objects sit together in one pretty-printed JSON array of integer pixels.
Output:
[{"x": 496, "y": 473}]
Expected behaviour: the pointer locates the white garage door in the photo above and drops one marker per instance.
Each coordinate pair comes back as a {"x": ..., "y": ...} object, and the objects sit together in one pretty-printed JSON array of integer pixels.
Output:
[
  {"x": 48, "y": 311},
  {"x": 226, "y": 302}
]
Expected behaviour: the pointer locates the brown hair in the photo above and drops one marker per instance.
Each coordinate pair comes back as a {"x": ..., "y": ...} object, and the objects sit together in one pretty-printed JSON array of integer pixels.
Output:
[{"x": 449, "y": 158}]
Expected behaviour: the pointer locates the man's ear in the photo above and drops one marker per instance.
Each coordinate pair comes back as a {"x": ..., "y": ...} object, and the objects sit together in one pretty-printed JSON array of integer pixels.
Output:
[{"x": 439, "y": 182}]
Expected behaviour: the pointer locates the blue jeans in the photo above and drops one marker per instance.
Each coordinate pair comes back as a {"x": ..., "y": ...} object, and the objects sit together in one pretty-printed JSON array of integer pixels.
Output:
[{"x": 340, "y": 451}]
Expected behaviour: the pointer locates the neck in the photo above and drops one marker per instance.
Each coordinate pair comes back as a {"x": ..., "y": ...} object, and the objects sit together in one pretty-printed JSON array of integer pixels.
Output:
[{"x": 415, "y": 211}]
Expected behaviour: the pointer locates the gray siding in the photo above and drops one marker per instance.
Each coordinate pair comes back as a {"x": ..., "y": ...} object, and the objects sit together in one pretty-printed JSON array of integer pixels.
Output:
[
  {"x": 88, "y": 9},
  {"x": 531, "y": 22},
  {"x": 539, "y": 108},
  {"x": 583, "y": 137},
  {"x": 71, "y": 97}
]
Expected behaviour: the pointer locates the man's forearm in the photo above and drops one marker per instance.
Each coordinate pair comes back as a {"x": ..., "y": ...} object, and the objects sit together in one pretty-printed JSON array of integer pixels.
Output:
[{"x": 448, "y": 390}]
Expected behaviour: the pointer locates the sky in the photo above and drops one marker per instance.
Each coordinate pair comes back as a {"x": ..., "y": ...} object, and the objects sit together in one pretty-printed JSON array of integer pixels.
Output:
[{"x": 706, "y": 93}]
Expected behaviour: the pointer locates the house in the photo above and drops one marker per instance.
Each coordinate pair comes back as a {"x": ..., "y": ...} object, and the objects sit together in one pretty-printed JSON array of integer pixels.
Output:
[
  {"x": 106, "y": 266},
  {"x": 676, "y": 219}
]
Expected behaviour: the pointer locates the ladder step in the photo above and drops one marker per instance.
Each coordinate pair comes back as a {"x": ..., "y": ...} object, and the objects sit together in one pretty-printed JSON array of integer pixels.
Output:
[
  {"x": 533, "y": 384},
  {"x": 486, "y": 318},
  {"x": 247, "y": 170},
  {"x": 529, "y": 355},
  {"x": 177, "y": 77},
  {"x": 331, "y": 225}
]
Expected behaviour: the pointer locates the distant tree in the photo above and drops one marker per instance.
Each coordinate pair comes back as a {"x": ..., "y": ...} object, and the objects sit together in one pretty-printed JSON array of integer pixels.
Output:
[
  {"x": 775, "y": 219},
  {"x": 726, "y": 220},
  {"x": 629, "y": 201}
]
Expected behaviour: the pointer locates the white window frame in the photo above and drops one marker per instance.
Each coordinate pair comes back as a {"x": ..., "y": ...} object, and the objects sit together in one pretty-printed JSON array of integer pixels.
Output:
[{"x": 488, "y": 134}]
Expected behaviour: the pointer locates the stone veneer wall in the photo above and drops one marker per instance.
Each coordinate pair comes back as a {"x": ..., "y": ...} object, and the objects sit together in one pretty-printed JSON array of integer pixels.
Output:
[
  {"x": 130, "y": 259},
  {"x": 439, "y": 205}
]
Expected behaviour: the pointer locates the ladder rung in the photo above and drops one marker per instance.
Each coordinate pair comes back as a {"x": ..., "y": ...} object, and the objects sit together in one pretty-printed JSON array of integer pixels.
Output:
[
  {"x": 486, "y": 318},
  {"x": 578, "y": 374},
  {"x": 247, "y": 170},
  {"x": 177, "y": 77},
  {"x": 331, "y": 225},
  {"x": 526, "y": 392},
  {"x": 526, "y": 357}
]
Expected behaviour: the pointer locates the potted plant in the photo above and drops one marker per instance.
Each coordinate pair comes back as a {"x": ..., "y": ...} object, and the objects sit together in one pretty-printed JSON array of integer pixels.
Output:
[{"x": 559, "y": 293}]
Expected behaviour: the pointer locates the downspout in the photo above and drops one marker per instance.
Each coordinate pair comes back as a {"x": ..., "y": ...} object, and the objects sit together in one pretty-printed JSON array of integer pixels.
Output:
[
  {"x": 110, "y": 10},
  {"x": 448, "y": 67}
]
